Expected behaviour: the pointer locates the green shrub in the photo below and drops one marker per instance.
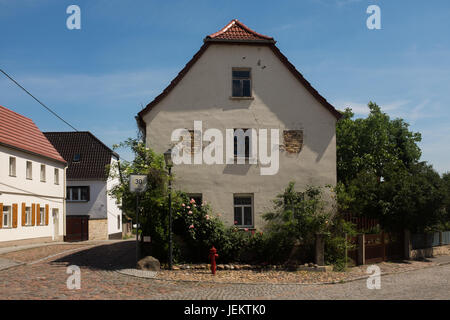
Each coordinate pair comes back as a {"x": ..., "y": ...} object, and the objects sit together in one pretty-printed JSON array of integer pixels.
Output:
[{"x": 336, "y": 243}]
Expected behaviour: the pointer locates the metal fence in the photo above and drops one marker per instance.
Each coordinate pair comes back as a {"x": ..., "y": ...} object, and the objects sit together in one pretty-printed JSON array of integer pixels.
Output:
[
  {"x": 428, "y": 240},
  {"x": 446, "y": 237}
]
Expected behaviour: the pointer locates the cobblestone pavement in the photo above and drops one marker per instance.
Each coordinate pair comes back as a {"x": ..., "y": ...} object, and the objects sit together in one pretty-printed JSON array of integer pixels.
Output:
[{"x": 99, "y": 280}]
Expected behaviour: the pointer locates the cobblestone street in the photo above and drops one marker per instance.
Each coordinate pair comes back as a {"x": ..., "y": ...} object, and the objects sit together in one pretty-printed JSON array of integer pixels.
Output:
[{"x": 46, "y": 279}]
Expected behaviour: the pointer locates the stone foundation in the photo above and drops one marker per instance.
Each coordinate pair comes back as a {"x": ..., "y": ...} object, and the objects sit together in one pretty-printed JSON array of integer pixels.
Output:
[
  {"x": 430, "y": 252},
  {"x": 98, "y": 229}
]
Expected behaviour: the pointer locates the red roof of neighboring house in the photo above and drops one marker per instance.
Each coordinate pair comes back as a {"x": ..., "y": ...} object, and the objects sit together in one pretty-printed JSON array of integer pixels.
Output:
[
  {"x": 236, "y": 32},
  {"x": 19, "y": 132}
]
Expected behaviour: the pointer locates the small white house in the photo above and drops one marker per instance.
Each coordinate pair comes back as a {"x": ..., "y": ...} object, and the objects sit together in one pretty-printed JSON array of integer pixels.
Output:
[
  {"x": 32, "y": 183},
  {"x": 240, "y": 84},
  {"x": 92, "y": 214}
]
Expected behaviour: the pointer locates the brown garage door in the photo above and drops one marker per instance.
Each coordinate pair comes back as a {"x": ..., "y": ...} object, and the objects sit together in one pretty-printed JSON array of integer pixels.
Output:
[{"x": 77, "y": 228}]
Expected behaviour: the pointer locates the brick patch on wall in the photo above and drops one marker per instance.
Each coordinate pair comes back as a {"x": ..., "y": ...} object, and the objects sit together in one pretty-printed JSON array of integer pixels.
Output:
[{"x": 293, "y": 141}]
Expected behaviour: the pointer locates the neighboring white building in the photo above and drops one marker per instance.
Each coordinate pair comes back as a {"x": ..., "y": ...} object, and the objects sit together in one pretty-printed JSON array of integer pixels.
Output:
[
  {"x": 239, "y": 79},
  {"x": 91, "y": 213},
  {"x": 32, "y": 183}
]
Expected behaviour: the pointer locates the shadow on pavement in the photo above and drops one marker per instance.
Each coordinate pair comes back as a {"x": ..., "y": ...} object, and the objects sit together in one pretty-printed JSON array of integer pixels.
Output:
[{"x": 118, "y": 255}]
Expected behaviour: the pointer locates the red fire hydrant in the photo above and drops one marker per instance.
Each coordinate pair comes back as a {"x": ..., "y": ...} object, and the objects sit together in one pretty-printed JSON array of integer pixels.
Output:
[{"x": 212, "y": 256}]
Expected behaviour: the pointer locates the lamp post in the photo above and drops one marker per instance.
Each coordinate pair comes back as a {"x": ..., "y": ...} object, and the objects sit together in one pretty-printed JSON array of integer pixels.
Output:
[{"x": 169, "y": 163}]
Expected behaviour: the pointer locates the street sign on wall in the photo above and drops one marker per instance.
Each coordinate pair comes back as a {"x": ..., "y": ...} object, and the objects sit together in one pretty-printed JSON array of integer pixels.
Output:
[{"x": 138, "y": 182}]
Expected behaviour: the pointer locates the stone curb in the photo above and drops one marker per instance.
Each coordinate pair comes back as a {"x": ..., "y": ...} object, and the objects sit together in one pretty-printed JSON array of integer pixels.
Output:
[{"x": 133, "y": 274}]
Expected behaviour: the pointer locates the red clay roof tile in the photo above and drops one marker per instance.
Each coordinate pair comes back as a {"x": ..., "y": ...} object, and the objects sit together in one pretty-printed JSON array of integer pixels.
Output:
[
  {"x": 237, "y": 31},
  {"x": 20, "y": 132}
]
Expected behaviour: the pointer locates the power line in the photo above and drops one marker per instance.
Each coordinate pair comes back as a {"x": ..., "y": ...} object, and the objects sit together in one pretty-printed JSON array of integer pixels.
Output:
[{"x": 42, "y": 104}]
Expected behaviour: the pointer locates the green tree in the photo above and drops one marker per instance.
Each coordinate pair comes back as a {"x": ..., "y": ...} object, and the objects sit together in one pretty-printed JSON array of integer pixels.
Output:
[
  {"x": 154, "y": 215},
  {"x": 379, "y": 173},
  {"x": 297, "y": 217}
]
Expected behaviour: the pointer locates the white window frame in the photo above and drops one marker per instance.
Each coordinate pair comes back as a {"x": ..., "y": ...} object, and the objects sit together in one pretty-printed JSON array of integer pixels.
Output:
[
  {"x": 56, "y": 174},
  {"x": 28, "y": 216},
  {"x": 78, "y": 188},
  {"x": 43, "y": 173},
  {"x": 8, "y": 214},
  {"x": 29, "y": 170},
  {"x": 242, "y": 206},
  {"x": 12, "y": 166},
  {"x": 42, "y": 216}
]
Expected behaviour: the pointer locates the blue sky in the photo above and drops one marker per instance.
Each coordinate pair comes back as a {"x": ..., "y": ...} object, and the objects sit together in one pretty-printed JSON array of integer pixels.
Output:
[{"x": 127, "y": 52}]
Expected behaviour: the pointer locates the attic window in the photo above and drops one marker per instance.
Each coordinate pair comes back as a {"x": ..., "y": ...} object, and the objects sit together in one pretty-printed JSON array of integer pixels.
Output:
[
  {"x": 76, "y": 157},
  {"x": 241, "y": 83}
]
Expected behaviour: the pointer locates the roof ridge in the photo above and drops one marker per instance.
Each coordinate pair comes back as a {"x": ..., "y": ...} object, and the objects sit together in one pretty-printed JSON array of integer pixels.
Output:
[
  {"x": 214, "y": 36},
  {"x": 89, "y": 133}
]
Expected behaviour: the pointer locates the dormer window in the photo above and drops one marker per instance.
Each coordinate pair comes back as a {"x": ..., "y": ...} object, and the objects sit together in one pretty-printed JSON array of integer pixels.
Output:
[
  {"x": 241, "y": 83},
  {"x": 76, "y": 157}
]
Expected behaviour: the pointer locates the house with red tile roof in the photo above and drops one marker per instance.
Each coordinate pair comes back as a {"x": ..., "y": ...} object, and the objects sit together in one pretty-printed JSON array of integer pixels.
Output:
[
  {"x": 91, "y": 213},
  {"x": 240, "y": 82},
  {"x": 32, "y": 183}
]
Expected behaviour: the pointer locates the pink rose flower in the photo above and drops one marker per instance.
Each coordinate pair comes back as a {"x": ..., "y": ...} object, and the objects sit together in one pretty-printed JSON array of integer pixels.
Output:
[
  {"x": 192, "y": 201},
  {"x": 188, "y": 207},
  {"x": 190, "y": 212},
  {"x": 191, "y": 226},
  {"x": 183, "y": 205},
  {"x": 207, "y": 217},
  {"x": 246, "y": 229}
]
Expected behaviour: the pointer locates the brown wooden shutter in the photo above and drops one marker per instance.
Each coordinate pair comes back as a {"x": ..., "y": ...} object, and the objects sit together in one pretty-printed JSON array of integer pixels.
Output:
[
  {"x": 14, "y": 215},
  {"x": 33, "y": 214},
  {"x": 1, "y": 215},
  {"x": 46, "y": 214},
  {"x": 38, "y": 214},
  {"x": 24, "y": 214}
]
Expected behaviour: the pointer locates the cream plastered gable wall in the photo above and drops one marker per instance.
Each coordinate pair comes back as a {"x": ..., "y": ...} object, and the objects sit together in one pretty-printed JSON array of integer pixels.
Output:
[{"x": 279, "y": 101}]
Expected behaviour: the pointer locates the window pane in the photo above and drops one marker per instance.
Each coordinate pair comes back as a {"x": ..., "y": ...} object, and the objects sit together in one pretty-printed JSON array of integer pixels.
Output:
[
  {"x": 241, "y": 74},
  {"x": 29, "y": 170},
  {"x": 85, "y": 193},
  {"x": 237, "y": 89},
  {"x": 12, "y": 166},
  {"x": 246, "y": 88},
  {"x": 74, "y": 194},
  {"x": 238, "y": 216},
  {"x": 242, "y": 200},
  {"x": 248, "y": 216},
  {"x": 247, "y": 147}
]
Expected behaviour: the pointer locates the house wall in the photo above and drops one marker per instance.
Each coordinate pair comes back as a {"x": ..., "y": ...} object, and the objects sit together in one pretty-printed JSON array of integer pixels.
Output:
[
  {"x": 101, "y": 208},
  {"x": 96, "y": 206},
  {"x": 279, "y": 101},
  {"x": 114, "y": 212},
  {"x": 18, "y": 190}
]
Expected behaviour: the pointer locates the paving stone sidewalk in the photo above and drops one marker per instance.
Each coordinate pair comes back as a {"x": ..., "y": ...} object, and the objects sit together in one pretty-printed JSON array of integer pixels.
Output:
[{"x": 47, "y": 279}]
